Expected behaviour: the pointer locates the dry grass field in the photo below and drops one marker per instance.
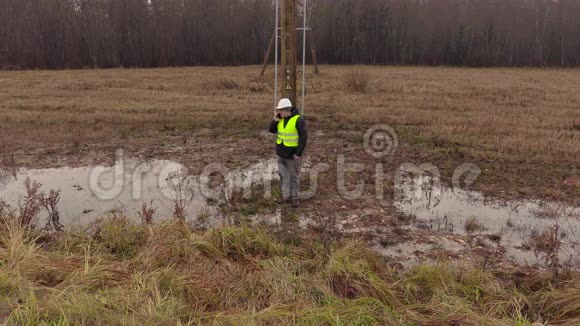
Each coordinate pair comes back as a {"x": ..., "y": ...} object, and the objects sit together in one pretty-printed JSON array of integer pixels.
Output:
[{"x": 520, "y": 126}]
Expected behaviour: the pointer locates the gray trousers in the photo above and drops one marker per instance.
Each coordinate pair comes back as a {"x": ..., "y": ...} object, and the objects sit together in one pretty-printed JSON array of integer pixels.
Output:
[{"x": 289, "y": 171}]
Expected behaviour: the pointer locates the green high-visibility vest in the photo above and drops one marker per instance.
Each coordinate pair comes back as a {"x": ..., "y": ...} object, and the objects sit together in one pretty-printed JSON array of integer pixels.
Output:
[{"x": 288, "y": 135}]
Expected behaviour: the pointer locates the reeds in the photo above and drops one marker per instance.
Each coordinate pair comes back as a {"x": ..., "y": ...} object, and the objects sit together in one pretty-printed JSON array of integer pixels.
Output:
[{"x": 118, "y": 272}]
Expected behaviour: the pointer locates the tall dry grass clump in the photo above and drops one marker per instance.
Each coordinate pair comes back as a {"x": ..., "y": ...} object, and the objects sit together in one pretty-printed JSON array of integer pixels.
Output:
[
  {"x": 118, "y": 272},
  {"x": 225, "y": 84},
  {"x": 357, "y": 81},
  {"x": 18, "y": 251}
]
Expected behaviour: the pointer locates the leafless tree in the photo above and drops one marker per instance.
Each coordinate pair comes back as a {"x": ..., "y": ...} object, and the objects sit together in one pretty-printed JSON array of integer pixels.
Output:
[{"x": 56, "y": 34}]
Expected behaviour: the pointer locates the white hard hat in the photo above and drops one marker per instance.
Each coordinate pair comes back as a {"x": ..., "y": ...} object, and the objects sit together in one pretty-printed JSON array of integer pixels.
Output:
[{"x": 284, "y": 104}]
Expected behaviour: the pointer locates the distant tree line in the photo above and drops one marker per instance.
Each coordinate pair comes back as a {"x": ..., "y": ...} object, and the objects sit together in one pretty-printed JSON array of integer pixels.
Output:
[{"x": 58, "y": 34}]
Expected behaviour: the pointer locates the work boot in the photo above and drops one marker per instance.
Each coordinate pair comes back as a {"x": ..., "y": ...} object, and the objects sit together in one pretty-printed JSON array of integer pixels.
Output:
[
  {"x": 283, "y": 200},
  {"x": 295, "y": 202}
]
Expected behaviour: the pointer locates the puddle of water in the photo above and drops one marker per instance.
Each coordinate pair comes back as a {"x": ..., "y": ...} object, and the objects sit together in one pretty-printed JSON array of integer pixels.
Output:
[
  {"x": 466, "y": 212},
  {"x": 88, "y": 193}
]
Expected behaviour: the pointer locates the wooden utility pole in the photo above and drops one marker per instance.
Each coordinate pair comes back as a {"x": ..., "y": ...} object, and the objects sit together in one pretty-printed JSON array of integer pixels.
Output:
[
  {"x": 289, "y": 52},
  {"x": 313, "y": 50},
  {"x": 288, "y": 10}
]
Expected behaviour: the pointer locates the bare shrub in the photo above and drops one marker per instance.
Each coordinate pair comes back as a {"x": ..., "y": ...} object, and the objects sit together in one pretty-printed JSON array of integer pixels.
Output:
[
  {"x": 183, "y": 196},
  {"x": 547, "y": 243},
  {"x": 179, "y": 209},
  {"x": 147, "y": 213},
  {"x": 50, "y": 204},
  {"x": 32, "y": 203},
  {"x": 357, "y": 81},
  {"x": 472, "y": 225}
]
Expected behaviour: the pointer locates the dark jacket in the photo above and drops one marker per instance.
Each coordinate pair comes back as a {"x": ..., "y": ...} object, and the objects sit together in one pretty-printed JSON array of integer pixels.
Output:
[{"x": 289, "y": 152}]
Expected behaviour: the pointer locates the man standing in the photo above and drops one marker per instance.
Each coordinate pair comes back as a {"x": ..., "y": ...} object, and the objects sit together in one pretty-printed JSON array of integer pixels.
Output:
[{"x": 290, "y": 146}]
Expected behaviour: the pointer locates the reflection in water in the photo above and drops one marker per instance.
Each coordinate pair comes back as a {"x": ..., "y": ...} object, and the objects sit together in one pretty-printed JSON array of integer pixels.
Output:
[{"x": 516, "y": 223}]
